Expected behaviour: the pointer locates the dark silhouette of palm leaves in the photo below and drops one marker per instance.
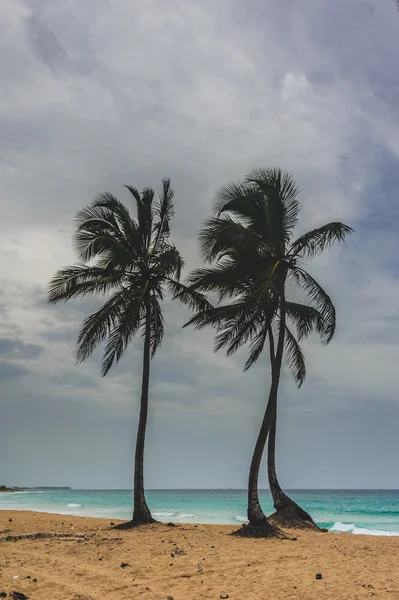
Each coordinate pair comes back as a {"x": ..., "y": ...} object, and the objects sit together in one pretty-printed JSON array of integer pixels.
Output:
[
  {"x": 249, "y": 246},
  {"x": 132, "y": 262}
]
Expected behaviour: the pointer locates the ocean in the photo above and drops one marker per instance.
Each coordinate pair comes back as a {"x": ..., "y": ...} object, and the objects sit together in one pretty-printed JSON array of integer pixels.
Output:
[{"x": 372, "y": 512}]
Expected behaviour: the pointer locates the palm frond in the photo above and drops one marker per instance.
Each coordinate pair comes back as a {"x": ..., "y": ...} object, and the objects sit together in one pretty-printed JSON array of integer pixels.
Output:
[
  {"x": 188, "y": 296},
  {"x": 135, "y": 193},
  {"x": 234, "y": 198},
  {"x": 81, "y": 280},
  {"x": 280, "y": 195},
  {"x": 294, "y": 357},
  {"x": 322, "y": 301},
  {"x": 220, "y": 236},
  {"x": 169, "y": 263},
  {"x": 123, "y": 330},
  {"x": 234, "y": 334},
  {"x": 216, "y": 316},
  {"x": 98, "y": 326},
  {"x": 105, "y": 227},
  {"x": 256, "y": 347},
  {"x": 316, "y": 241},
  {"x": 305, "y": 318},
  {"x": 164, "y": 211},
  {"x": 224, "y": 279},
  {"x": 145, "y": 216},
  {"x": 157, "y": 324}
]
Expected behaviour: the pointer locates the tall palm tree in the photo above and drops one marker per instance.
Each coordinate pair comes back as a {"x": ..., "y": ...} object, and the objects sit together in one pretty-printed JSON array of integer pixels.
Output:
[
  {"x": 132, "y": 262},
  {"x": 249, "y": 245}
]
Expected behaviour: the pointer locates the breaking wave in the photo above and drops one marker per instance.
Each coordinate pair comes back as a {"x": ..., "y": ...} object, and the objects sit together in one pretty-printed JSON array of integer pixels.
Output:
[{"x": 352, "y": 528}]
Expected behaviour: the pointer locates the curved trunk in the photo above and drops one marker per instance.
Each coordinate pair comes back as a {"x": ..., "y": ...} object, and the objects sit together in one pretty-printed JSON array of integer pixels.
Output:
[
  {"x": 280, "y": 499},
  {"x": 258, "y": 522},
  {"x": 141, "y": 512},
  {"x": 288, "y": 513}
]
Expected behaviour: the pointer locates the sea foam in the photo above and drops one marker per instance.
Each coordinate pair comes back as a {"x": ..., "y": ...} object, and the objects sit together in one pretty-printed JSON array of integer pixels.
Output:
[
  {"x": 352, "y": 528},
  {"x": 72, "y": 505},
  {"x": 164, "y": 514}
]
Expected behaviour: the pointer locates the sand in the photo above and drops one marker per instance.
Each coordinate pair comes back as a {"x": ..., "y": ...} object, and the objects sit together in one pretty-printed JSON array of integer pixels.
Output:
[{"x": 190, "y": 562}]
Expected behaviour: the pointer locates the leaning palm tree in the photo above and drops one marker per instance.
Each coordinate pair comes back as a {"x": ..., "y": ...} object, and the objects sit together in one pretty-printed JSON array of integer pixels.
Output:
[
  {"x": 249, "y": 243},
  {"x": 132, "y": 262}
]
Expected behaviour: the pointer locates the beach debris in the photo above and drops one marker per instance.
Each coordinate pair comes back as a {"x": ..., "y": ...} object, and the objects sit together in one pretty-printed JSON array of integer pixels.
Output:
[
  {"x": 169, "y": 598},
  {"x": 224, "y": 596},
  {"x": 170, "y": 525},
  {"x": 319, "y": 576},
  {"x": 3, "y": 594},
  {"x": 18, "y": 596},
  {"x": 10, "y": 520},
  {"x": 112, "y": 523},
  {"x": 124, "y": 565},
  {"x": 34, "y": 580},
  {"x": 41, "y": 534},
  {"x": 177, "y": 552}
]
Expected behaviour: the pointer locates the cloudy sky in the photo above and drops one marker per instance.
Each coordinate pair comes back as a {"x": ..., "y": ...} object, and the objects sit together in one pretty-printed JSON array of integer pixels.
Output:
[{"x": 102, "y": 93}]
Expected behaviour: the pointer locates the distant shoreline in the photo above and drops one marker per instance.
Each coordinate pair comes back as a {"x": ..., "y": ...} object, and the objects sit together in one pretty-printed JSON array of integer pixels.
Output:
[{"x": 4, "y": 488}]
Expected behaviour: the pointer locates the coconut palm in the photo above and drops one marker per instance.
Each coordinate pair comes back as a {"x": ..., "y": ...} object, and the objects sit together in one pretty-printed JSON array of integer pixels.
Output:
[
  {"x": 249, "y": 245},
  {"x": 132, "y": 261}
]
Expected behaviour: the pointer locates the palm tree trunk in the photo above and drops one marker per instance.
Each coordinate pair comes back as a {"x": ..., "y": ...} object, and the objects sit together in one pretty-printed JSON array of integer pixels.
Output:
[
  {"x": 258, "y": 525},
  {"x": 288, "y": 513},
  {"x": 141, "y": 512},
  {"x": 279, "y": 497}
]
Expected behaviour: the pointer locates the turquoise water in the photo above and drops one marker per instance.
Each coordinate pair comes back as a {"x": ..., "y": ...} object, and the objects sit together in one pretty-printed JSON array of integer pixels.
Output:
[{"x": 373, "y": 512}]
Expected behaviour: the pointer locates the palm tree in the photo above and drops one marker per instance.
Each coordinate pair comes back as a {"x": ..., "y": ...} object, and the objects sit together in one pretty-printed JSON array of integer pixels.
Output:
[
  {"x": 132, "y": 262},
  {"x": 249, "y": 245}
]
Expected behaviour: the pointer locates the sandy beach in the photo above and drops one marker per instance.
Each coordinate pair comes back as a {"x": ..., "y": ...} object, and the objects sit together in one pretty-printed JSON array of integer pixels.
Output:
[{"x": 188, "y": 562}]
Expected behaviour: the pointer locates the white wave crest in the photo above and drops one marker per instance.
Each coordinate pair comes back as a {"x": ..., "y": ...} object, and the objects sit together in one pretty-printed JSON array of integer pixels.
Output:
[
  {"x": 187, "y": 515},
  {"x": 352, "y": 528},
  {"x": 163, "y": 514},
  {"x": 241, "y": 519},
  {"x": 72, "y": 505}
]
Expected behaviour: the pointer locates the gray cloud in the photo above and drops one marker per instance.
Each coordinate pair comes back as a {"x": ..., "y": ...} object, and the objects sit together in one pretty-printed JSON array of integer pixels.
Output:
[
  {"x": 17, "y": 349},
  {"x": 202, "y": 94},
  {"x": 9, "y": 370}
]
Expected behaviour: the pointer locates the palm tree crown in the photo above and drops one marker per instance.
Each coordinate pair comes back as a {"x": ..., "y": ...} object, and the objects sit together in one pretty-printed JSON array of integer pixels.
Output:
[
  {"x": 249, "y": 243},
  {"x": 131, "y": 261}
]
